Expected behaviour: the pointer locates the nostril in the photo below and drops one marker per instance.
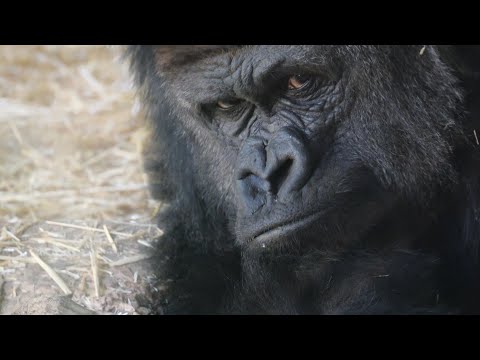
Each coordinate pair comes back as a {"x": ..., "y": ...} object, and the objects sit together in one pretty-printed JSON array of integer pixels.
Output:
[
  {"x": 253, "y": 192},
  {"x": 256, "y": 185},
  {"x": 278, "y": 177},
  {"x": 288, "y": 165}
]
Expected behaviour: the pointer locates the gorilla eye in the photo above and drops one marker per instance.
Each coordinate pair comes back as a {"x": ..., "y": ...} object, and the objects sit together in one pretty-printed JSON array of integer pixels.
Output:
[
  {"x": 297, "y": 82},
  {"x": 228, "y": 104}
]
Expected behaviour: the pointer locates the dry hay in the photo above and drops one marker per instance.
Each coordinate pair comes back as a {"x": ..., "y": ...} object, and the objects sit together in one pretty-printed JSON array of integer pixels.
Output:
[{"x": 75, "y": 216}]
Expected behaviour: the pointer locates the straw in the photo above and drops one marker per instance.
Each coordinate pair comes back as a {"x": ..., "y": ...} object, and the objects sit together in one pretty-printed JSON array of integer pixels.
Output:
[{"x": 71, "y": 172}]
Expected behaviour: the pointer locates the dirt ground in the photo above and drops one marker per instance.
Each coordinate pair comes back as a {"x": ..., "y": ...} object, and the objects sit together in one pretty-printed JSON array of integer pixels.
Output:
[{"x": 76, "y": 221}]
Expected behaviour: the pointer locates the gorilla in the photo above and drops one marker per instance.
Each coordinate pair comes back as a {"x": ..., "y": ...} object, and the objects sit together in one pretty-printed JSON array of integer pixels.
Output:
[{"x": 314, "y": 179}]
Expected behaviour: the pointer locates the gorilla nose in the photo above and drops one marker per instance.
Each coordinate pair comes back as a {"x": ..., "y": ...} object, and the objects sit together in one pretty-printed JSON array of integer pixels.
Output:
[{"x": 272, "y": 170}]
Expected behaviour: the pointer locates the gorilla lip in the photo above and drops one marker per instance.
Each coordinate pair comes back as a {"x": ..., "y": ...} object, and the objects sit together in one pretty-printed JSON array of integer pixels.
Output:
[{"x": 285, "y": 228}]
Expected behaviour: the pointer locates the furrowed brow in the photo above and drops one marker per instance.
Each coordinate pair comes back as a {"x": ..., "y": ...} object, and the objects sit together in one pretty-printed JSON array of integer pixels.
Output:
[{"x": 171, "y": 56}]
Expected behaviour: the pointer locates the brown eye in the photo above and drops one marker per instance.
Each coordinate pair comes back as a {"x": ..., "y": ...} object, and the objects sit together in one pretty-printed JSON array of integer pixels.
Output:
[
  {"x": 227, "y": 104},
  {"x": 296, "y": 82}
]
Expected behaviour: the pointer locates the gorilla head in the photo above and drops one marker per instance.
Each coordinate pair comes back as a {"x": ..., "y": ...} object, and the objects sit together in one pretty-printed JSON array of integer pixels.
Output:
[{"x": 314, "y": 179}]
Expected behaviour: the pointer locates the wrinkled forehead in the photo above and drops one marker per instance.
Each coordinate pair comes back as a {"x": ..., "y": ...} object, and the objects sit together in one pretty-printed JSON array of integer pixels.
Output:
[
  {"x": 169, "y": 57},
  {"x": 173, "y": 57},
  {"x": 202, "y": 73}
]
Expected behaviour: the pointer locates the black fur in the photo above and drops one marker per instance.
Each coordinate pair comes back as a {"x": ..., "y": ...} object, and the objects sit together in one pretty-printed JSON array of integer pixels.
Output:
[{"x": 380, "y": 146}]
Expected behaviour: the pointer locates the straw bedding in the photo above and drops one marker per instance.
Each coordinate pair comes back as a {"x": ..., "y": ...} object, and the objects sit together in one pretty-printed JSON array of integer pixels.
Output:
[{"x": 76, "y": 221}]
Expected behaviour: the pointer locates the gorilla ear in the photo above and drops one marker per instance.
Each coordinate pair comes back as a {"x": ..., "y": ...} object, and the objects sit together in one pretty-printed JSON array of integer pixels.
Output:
[{"x": 169, "y": 57}]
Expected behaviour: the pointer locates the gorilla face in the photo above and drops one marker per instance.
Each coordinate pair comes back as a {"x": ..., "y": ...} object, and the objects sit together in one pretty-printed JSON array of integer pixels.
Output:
[
  {"x": 315, "y": 179},
  {"x": 313, "y": 145}
]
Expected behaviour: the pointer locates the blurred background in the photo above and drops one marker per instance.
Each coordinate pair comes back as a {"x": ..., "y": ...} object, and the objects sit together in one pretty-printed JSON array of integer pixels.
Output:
[{"x": 75, "y": 216}]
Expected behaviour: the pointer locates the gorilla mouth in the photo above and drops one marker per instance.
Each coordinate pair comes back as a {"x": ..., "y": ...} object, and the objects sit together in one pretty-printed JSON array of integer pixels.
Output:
[{"x": 285, "y": 228}]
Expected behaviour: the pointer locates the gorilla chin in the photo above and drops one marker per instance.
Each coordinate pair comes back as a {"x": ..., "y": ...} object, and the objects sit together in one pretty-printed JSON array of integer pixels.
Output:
[{"x": 314, "y": 179}]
